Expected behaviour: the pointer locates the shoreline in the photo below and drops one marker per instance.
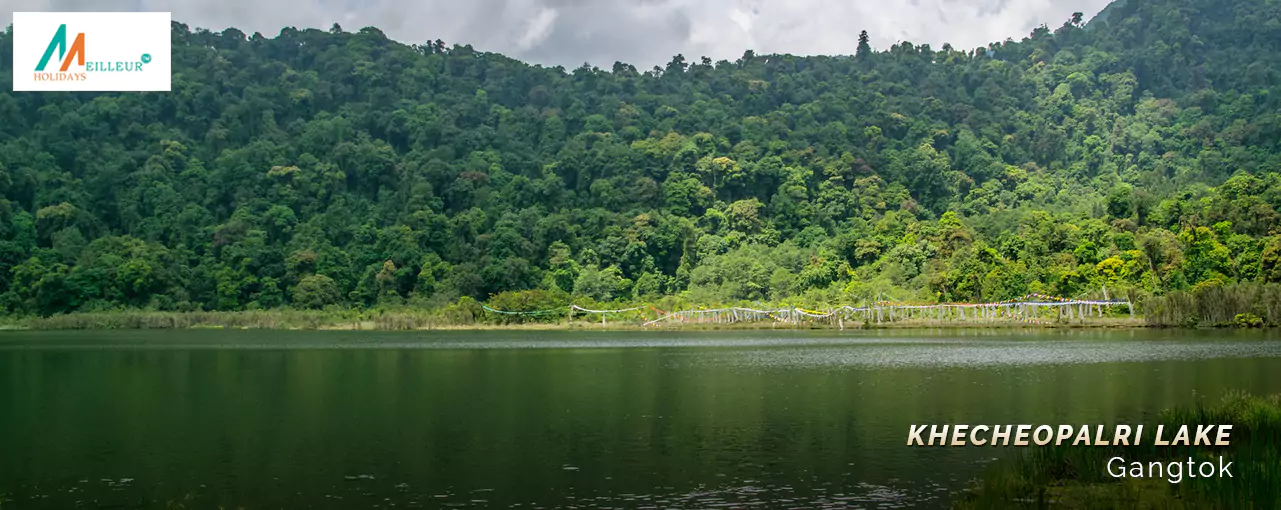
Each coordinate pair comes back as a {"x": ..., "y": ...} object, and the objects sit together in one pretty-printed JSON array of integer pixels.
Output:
[{"x": 410, "y": 321}]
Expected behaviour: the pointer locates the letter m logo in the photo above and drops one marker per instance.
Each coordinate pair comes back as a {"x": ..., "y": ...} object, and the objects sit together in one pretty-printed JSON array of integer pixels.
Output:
[{"x": 59, "y": 43}]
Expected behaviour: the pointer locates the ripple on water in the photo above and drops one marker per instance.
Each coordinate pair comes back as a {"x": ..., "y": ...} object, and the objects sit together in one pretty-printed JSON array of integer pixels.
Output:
[
  {"x": 733, "y": 495},
  {"x": 977, "y": 354}
]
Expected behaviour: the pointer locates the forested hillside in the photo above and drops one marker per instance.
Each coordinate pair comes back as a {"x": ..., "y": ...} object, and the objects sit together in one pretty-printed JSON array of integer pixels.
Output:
[{"x": 1140, "y": 151}]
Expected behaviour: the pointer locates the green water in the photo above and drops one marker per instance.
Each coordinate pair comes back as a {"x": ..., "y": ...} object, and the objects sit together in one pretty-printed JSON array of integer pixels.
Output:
[{"x": 203, "y": 419}]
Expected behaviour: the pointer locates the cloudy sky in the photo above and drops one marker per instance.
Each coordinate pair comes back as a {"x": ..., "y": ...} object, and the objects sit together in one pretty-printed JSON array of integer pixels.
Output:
[{"x": 640, "y": 32}]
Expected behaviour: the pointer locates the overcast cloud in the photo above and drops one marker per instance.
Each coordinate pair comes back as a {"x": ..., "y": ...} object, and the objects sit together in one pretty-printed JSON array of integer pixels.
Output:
[{"x": 640, "y": 32}]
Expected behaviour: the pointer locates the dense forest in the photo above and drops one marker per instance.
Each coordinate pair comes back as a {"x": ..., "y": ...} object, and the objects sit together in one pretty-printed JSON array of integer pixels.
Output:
[{"x": 1139, "y": 151}]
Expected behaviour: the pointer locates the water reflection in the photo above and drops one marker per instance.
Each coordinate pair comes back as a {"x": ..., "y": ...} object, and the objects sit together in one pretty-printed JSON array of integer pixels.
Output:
[{"x": 591, "y": 420}]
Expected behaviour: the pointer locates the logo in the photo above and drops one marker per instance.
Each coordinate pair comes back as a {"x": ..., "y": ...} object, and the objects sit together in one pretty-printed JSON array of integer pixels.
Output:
[
  {"x": 91, "y": 51},
  {"x": 59, "y": 43}
]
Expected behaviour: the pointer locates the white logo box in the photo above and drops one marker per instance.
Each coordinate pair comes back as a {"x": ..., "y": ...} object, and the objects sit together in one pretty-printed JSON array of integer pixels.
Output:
[{"x": 100, "y": 51}]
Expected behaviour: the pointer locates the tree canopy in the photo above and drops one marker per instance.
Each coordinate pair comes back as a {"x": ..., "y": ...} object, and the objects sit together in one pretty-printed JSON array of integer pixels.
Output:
[{"x": 317, "y": 168}]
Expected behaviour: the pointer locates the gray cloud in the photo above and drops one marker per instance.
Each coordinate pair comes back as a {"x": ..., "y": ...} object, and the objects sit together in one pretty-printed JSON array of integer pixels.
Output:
[{"x": 641, "y": 32}]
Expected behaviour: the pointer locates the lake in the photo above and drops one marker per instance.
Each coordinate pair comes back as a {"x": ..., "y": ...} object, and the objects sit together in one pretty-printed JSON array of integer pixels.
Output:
[{"x": 544, "y": 419}]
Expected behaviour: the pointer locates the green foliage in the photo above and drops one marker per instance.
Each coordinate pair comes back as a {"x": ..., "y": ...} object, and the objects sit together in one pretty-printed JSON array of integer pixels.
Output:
[
  {"x": 602, "y": 285},
  {"x": 315, "y": 291},
  {"x": 540, "y": 305},
  {"x": 1247, "y": 320},
  {"x": 464, "y": 311},
  {"x": 1138, "y": 152}
]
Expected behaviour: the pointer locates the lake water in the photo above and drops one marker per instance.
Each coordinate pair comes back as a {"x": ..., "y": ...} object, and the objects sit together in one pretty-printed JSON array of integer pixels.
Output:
[{"x": 251, "y": 419}]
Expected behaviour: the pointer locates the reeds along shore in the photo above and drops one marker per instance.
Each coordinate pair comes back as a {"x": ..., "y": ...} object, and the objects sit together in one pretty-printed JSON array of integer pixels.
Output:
[
  {"x": 268, "y": 319},
  {"x": 1077, "y": 477},
  {"x": 1239, "y": 305}
]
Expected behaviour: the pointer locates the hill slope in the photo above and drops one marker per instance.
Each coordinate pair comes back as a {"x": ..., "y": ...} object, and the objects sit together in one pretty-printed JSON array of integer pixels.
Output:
[{"x": 1137, "y": 151}]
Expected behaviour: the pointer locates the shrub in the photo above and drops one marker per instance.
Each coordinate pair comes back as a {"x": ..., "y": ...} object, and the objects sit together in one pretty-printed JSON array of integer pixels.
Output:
[
  {"x": 1247, "y": 320},
  {"x": 538, "y": 305}
]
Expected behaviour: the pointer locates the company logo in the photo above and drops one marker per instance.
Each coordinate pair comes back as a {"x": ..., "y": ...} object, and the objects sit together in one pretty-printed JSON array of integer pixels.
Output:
[
  {"x": 92, "y": 51},
  {"x": 76, "y": 53},
  {"x": 59, "y": 43}
]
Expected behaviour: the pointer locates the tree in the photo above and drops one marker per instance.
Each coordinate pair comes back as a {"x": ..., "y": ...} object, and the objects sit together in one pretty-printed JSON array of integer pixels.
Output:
[
  {"x": 601, "y": 284},
  {"x": 315, "y": 291},
  {"x": 864, "y": 49},
  {"x": 1270, "y": 263}
]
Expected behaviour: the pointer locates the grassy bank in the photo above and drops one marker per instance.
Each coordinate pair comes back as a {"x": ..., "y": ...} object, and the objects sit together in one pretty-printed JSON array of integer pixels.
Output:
[
  {"x": 1076, "y": 477},
  {"x": 268, "y": 319},
  {"x": 410, "y": 320},
  {"x": 529, "y": 309},
  {"x": 1243, "y": 305}
]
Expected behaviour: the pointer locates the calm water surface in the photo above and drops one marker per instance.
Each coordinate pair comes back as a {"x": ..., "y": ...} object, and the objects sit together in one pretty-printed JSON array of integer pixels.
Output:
[{"x": 202, "y": 419}]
